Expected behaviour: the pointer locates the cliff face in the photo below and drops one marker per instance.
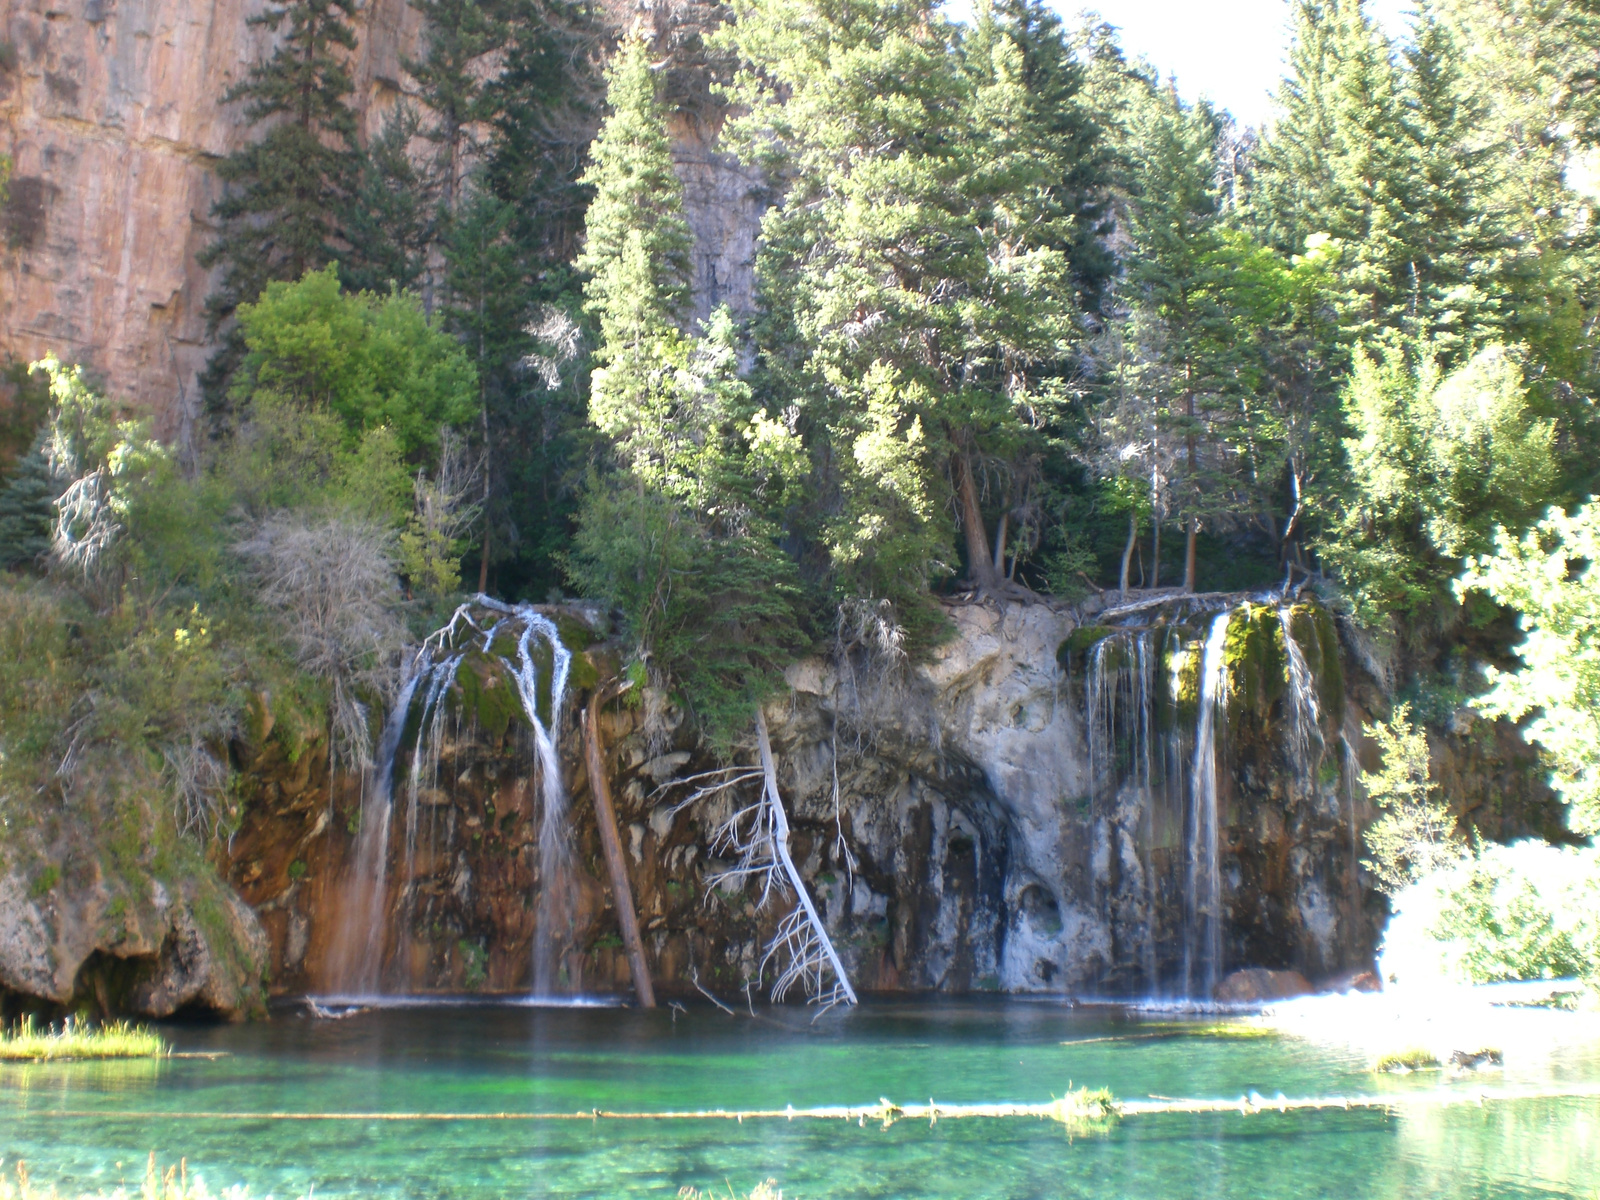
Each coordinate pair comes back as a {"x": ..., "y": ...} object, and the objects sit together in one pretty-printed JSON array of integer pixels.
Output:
[
  {"x": 947, "y": 818},
  {"x": 110, "y": 111}
]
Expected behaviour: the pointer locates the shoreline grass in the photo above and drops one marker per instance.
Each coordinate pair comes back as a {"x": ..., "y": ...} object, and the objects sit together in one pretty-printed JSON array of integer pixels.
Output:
[{"x": 74, "y": 1040}]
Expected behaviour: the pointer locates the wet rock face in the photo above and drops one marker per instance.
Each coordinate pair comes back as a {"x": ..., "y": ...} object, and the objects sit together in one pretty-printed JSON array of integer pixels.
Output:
[
  {"x": 947, "y": 819},
  {"x": 82, "y": 946}
]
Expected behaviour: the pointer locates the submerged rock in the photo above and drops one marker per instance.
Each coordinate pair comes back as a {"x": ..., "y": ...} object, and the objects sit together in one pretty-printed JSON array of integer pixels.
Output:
[{"x": 1257, "y": 985}]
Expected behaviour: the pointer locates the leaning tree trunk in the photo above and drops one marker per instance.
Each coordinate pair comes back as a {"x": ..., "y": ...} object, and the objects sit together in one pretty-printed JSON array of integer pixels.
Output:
[
  {"x": 616, "y": 866},
  {"x": 980, "y": 562},
  {"x": 1127, "y": 552}
]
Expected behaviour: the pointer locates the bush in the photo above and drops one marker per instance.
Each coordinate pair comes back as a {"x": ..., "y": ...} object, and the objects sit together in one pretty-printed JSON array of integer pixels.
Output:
[
  {"x": 1415, "y": 836},
  {"x": 1524, "y": 911}
]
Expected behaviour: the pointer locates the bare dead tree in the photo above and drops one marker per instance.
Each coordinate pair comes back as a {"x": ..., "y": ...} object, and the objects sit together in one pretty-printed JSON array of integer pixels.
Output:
[
  {"x": 199, "y": 783},
  {"x": 333, "y": 583},
  {"x": 757, "y": 835}
]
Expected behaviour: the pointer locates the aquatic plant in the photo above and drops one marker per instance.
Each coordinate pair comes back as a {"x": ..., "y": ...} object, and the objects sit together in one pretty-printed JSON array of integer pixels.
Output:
[
  {"x": 1412, "y": 1058},
  {"x": 74, "y": 1039},
  {"x": 175, "y": 1183},
  {"x": 1085, "y": 1110},
  {"x": 767, "y": 1189}
]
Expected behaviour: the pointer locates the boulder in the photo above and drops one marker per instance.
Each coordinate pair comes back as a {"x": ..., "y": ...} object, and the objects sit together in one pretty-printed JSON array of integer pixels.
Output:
[{"x": 1258, "y": 985}]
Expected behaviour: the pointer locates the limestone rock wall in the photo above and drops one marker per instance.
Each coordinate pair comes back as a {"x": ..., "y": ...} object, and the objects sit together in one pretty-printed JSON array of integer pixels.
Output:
[{"x": 111, "y": 113}]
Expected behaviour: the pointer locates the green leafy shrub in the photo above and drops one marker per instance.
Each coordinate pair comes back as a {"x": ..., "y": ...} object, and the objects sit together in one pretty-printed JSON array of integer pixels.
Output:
[
  {"x": 1551, "y": 578},
  {"x": 1415, "y": 835},
  {"x": 1523, "y": 911}
]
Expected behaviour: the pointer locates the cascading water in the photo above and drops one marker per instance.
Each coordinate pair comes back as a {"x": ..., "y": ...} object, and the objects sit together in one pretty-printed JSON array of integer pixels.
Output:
[
  {"x": 1123, "y": 698},
  {"x": 1202, "y": 960},
  {"x": 355, "y": 962},
  {"x": 483, "y": 625},
  {"x": 1306, "y": 744},
  {"x": 1197, "y": 707}
]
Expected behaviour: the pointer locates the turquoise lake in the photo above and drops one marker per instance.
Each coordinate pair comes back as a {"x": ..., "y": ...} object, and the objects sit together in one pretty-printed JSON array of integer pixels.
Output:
[{"x": 493, "y": 1059}]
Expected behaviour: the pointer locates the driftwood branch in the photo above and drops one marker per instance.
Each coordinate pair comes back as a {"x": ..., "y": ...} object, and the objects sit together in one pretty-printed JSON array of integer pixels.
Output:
[{"x": 800, "y": 950}]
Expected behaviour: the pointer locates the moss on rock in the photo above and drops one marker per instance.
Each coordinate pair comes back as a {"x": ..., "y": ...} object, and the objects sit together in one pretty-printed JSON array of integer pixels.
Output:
[{"x": 487, "y": 696}]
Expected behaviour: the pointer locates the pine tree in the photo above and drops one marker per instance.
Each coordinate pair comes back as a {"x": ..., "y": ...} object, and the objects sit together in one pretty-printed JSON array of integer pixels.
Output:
[
  {"x": 922, "y": 256},
  {"x": 1179, "y": 273},
  {"x": 1378, "y": 153},
  {"x": 507, "y": 276},
  {"x": 287, "y": 190},
  {"x": 678, "y": 536},
  {"x": 388, "y": 223},
  {"x": 27, "y": 507},
  {"x": 458, "y": 35},
  {"x": 636, "y": 253}
]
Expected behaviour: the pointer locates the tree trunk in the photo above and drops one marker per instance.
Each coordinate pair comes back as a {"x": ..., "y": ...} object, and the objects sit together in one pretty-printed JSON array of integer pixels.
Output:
[
  {"x": 1155, "y": 556},
  {"x": 1127, "y": 552},
  {"x": 483, "y": 562},
  {"x": 1000, "y": 544},
  {"x": 1191, "y": 526},
  {"x": 980, "y": 561},
  {"x": 611, "y": 844},
  {"x": 1188, "y": 554}
]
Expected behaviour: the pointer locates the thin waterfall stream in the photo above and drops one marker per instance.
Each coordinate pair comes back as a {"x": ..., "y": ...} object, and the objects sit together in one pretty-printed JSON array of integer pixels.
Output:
[
  {"x": 1203, "y": 940},
  {"x": 1165, "y": 767}
]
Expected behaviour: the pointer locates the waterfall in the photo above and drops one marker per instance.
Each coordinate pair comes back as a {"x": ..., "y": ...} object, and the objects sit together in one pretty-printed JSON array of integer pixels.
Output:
[
  {"x": 1122, "y": 700},
  {"x": 1306, "y": 744},
  {"x": 1203, "y": 885},
  {"x": 554, "y": 900},
  {"x": 356, "y": 956},
  {"x": 355, "y": 965}
]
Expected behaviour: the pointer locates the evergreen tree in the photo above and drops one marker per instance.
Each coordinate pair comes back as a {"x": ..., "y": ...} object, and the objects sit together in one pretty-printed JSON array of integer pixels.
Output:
[
  {"x": 918, "y": 273},
  {"x": 1176, "y": 272},
  {"x": 458, "y": 35},
  {"x": 388, "y": 225},
  {"x": 1377, "y": 153},
  {"x": 286, "y": 190},
  {"x": 27, "y": 506},
  {"x": 510, "y": 290},
  {"x": 678, "y": 535}
]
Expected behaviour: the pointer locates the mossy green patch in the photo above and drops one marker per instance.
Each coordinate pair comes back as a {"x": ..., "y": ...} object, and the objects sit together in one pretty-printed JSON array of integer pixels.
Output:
[
  {"x": 585, "y": 676},
  {"x": 1311, "y": 626},
  {"x": 1079, "y": 642},
  {"x": 574, "y": 634},
  {"x": 1181, "y": 652},
  {"x": 1255, "y": 661},
  {"x": 487, "y": 694}
]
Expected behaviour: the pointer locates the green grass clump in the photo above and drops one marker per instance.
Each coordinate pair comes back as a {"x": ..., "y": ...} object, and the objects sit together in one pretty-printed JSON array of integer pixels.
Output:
[
  {"x": 73, "y": 1040},
  {"x": 1413, "y": 1058},
  {"x": 1086, "y": 1110}
]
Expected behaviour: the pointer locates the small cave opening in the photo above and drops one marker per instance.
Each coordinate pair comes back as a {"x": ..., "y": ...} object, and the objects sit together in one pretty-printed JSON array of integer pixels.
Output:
[{"x": 1040, "y": 909}]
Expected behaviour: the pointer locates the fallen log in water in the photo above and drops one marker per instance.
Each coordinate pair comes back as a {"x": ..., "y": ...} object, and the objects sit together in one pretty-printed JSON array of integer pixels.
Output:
[{"x": 1076, "y": 1109}]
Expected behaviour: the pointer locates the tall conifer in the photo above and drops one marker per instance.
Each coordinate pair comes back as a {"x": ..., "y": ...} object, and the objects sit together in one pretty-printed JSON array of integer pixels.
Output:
[{"x": 287, "y": 189}]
